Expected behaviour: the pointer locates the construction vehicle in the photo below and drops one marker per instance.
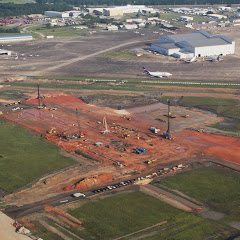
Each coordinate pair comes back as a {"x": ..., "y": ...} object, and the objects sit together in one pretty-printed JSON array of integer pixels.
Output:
[
  {"x": 154, "y": 130},
  {"x": 139, "y": 150},
  {"x": 77, "y": 195},
  {"x": 125, "y": 135},
  {"x": 151, "y": 161},
  {"x": 105, "y": 125},
  {"x": 52, "y": 130},
  {"x": 186, "y": 116}
]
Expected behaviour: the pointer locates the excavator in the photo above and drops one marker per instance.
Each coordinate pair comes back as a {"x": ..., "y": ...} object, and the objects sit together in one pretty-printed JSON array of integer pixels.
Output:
[{"x": 52, "y": 130}]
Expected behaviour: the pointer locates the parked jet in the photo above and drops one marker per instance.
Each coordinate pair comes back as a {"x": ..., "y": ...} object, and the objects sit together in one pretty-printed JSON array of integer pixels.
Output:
[
  {"x": 157, "y": 74},
  {"x": 213, "y": 59},
  {"x": 194, "y": 59}
]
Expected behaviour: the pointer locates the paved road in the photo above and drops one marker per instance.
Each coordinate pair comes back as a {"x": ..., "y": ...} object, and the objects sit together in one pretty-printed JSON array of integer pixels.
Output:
[{"x": 25, "y": 29}]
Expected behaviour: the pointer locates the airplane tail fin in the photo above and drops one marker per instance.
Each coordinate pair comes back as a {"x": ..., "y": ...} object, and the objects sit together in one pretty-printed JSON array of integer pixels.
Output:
[{"x": 145, "y": 70}]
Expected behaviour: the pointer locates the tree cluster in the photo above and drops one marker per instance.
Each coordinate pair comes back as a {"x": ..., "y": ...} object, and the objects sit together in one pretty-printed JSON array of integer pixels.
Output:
[
  {"x": 9, "y": 30},
  {"x": 137, "y": 2},
  {"x": 11, "y": 9}
]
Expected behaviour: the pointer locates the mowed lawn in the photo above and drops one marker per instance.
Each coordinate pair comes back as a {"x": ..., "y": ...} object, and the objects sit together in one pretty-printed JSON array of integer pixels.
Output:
[
  {"x": 25, "y": 157},
  {"x": 125, "y": 213},
  {"x": 217, "y": 187}
]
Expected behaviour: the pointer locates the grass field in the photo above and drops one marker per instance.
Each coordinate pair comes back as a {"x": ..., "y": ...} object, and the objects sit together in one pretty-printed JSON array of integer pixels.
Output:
[
  {"x": 25, "y": 157},
  {"x": 66, "y": 31},
  {"x": 129, "y": 212},
  {"x": 11, "y": 94},
  {"x": 121, "y": 54},
  {"x": 217, "y": 187}
]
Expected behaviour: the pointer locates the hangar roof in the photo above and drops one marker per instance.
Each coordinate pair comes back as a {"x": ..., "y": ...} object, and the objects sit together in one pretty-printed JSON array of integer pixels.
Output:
[
  {"x": 20, "y": 35},
  {"x": 168, "y": 45},
  {"x": 205, "y": 42},
  {"x": 199, "y": 39}
]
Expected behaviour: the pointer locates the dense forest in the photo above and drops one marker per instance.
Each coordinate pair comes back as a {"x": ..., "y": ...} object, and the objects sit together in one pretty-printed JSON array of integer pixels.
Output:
[
  {"x": 138, "y": 2},
  {"x": 10, "y": 9}
]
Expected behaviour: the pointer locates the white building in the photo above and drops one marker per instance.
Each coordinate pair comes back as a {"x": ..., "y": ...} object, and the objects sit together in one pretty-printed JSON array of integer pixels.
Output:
[
  {"x": 5, "y": 52},
  {"x": 56, "y": 14},
  {"x": 199, "y": 44},
  {"x": 223, "y": 8},
  {"x": 130, "y": 26},
  {"x": 112, "y": 28},
  {"x": 217, "y": 16},
  {"x": 186, "y": 18},
  {"x": 120, "y": 10},
  {"x": 16, "y": 38}
]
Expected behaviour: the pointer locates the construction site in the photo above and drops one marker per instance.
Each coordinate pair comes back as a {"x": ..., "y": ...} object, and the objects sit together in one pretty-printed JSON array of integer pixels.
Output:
[{"x": 116, "y": 137}]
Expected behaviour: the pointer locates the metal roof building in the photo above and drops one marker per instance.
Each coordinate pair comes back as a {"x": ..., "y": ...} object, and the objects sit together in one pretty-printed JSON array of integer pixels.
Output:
[
  {"x": 199, "y": 44},
  {"x": 15, "y": 38}
]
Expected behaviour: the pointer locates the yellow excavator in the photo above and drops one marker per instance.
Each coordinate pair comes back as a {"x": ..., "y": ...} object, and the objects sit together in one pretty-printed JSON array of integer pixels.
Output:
[{"x": 52, "y": 130}]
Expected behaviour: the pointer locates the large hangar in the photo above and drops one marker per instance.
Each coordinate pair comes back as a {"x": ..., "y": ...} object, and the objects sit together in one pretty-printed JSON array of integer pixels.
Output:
[
  {"x": 16, "y": 38},
  {"x": 198, "y": 44}
]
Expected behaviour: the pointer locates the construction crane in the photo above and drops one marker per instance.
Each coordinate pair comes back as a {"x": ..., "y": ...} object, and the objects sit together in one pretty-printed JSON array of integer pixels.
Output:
[
  {"x": 167, "y": 133},
  {"x": 78, "y": 124},
  {"x": 105, "y": 125},
  {"x": 43, "y": 106}
]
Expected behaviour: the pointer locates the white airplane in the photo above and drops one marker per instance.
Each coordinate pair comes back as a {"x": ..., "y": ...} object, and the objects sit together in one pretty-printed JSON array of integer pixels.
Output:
[
  {"x": 157, "y": 74},
  {"x": 194, "y": 59},
  {"x": 213, "y": 59}
]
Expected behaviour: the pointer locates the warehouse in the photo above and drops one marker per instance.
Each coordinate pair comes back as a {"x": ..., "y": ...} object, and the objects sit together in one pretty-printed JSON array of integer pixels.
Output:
[
  {"x": 15, "y": 38},
  {"x": 56, "y": 14},
  {"x": 186, "y": 18},
  {"x": 199, "y": 44}
]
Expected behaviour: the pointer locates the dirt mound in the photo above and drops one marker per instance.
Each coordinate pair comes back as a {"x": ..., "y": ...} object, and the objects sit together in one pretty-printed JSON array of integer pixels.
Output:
[{"x": 90, "y": 182}]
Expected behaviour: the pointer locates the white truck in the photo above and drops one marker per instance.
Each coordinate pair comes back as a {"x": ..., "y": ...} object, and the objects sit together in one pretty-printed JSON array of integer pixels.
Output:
[{"x": 77, "y": 195}]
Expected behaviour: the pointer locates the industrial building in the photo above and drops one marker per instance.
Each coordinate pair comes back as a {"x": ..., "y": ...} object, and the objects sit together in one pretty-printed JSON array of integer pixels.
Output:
[
  {"x": 120, "y": 10},
  {"x": 15, "y": 38},
  {"x": 56, "y": 14},
  {"x": 186, "y": 18},
  {"x": 5, "y": 52},
  {"x": 111, "y": 12},
  {"x": 112, "y": 28},
  {"x": 198, "y": 44}
]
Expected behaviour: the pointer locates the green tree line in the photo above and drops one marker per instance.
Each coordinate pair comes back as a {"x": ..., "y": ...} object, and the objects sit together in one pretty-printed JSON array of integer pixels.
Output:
[
  {"x": 9, "y": 30},
  {"x": 11, "y": 9}
]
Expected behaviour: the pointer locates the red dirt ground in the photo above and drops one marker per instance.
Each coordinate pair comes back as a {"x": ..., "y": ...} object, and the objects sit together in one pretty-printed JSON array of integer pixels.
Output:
[
  {"x": 227, "y": 148},
  {"x": 114, "y": 147}
]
